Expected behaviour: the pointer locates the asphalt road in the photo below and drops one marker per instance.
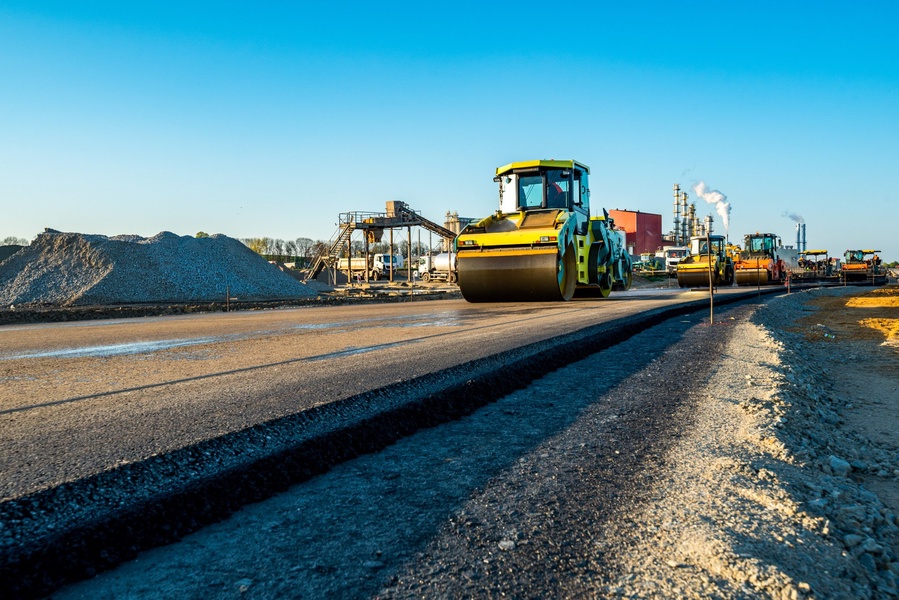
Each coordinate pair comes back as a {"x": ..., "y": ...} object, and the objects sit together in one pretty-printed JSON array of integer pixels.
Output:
[
  {"x": 517, "y": 500},
  {"x": 121, "y": 435},
  {"x": 80, "y": 398}
]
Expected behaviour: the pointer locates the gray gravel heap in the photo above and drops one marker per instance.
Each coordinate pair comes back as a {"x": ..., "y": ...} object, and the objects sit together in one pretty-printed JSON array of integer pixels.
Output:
[{"x": 66, "y": 269}]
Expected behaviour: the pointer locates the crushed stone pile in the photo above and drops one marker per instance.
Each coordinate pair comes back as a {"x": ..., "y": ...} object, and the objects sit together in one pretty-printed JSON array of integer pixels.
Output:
[{"x": 69, "y": 269}]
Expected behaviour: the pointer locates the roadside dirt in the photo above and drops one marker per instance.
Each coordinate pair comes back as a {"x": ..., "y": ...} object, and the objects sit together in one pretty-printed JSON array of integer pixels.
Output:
[
  {"x": 864, "y": 367},
  {"x": 786, "y": 485}
]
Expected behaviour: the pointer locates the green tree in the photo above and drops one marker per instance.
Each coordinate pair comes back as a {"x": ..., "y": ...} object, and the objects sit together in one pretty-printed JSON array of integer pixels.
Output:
[
  {"x": 257, "y": 245},
  {"x": 304, "y": 247},
  {"x": 201, "y": 234}
]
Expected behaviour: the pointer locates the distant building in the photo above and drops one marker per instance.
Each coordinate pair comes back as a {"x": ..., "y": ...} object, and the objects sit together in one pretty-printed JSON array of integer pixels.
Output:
[{"x": 643, "y": 230}]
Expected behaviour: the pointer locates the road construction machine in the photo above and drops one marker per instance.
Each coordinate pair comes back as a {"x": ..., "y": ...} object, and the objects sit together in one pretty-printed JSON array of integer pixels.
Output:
[
  {"x": 759, "y": 263},
  {"x": 708, "y": 260},
  {"x": 542, "y": 244},
  {"x": 862, "y": 265},
  {"x": 813, "y": 265}
]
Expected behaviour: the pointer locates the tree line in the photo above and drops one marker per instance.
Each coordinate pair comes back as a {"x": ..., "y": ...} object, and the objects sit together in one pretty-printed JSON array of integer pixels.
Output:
[{"x": 305, "y": 250}]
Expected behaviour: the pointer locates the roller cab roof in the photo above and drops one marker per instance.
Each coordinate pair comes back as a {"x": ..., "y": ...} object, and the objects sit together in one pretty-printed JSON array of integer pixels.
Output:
[{"x": 541, "y": 164}]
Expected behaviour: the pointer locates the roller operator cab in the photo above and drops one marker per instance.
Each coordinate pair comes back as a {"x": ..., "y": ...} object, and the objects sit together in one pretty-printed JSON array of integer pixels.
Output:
[{"x": 542, "y": 244}]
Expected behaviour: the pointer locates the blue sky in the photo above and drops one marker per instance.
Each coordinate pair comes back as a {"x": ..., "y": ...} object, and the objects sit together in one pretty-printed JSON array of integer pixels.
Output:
[{"x": 270, "y": 118}]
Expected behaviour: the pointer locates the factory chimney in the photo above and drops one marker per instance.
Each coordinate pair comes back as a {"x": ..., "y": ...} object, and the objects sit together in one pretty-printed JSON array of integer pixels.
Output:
[
  {"x": 677, "y": 214},
  {"x": 804, "y": 244}
]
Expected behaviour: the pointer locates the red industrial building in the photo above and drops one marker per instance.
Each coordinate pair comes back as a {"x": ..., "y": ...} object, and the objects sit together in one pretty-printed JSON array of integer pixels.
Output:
[{"x": 644, "y": 230}]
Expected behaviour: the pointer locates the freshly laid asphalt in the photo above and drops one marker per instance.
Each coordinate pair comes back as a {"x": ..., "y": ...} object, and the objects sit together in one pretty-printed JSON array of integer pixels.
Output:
[{"x": 103, "y": 421}]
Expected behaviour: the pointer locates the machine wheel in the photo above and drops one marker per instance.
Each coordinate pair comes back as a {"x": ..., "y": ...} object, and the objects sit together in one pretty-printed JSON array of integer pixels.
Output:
[
  {"x": 605, "y": 284},
  {"x": 624, "y": 283},
  {"x": 728, "y": 277},
  {"x": 451, "y": 277},
  {"x": 566, "y": 267},
  {"x": 426, "y": 277}
]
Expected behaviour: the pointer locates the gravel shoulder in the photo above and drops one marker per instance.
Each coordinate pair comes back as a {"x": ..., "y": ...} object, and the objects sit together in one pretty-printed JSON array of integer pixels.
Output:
[{"x": 786, "y": 486}]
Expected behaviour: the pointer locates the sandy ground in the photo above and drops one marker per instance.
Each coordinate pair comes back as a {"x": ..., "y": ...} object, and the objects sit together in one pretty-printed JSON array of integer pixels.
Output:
[{"x": 865, "y": 370}]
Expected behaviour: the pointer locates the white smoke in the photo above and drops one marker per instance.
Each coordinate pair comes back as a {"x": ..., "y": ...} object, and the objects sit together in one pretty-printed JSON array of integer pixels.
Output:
[
  {"x": 793, "y": 216},
  {"x": 722, "y": 206}
]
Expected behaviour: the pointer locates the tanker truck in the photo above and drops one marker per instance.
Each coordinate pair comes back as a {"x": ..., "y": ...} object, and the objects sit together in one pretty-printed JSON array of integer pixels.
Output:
[{"x": 441, "y": 267}]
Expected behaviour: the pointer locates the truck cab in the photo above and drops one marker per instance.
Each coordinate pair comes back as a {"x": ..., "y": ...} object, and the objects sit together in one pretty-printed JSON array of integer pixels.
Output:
[
  {"x": 671, "y": 255},
  {"x": 386, "y": 263}
]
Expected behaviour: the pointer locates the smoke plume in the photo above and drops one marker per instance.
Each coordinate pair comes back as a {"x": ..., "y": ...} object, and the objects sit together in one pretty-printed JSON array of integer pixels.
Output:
[
  {"x": 722, "y": 206},
  {"x": 793, "y": 217}
]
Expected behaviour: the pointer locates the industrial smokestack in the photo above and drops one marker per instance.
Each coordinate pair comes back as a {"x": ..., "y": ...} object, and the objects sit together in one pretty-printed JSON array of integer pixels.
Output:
[
  {"x": 676, "y": 214},
  {"x": 695, "y": 223},
  {"x": 722, "y": 206},
  {"x": 804, "y": 245},
  {"x": 800, "y": 227}
]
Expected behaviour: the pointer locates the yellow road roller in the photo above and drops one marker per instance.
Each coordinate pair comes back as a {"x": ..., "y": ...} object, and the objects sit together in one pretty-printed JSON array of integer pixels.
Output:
[
  {"x": 709, "y": 257},
  {"x": 760, "y": 262},
  {"x": 541, "y": 244}
]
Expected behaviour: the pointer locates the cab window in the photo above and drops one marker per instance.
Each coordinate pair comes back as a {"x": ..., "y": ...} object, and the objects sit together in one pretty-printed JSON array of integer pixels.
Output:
[
  {"x": 558, "y": 188},
  {"x": 530, "y": 191}
]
